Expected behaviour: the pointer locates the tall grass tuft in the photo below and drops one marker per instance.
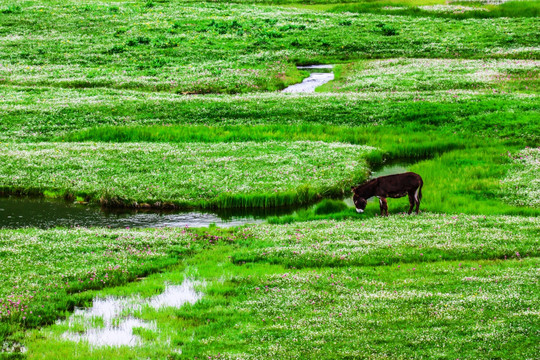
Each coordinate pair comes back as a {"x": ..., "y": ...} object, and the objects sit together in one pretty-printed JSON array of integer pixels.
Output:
[{"x": 397, "y": 142}]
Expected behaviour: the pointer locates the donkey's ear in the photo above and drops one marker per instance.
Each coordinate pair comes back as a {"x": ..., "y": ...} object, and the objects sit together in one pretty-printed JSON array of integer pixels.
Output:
[{"x": 353, "y": 188}]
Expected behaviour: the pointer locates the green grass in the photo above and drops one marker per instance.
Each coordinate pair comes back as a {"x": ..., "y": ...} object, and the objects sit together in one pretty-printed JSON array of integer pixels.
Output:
[
  {"x": 377, "y": 284},
  {"x": 126, "y": 102},
  {"x": 521, "y": 184},
  {"x": 205, "y": 47},
  {"x": 396, "y": 142},
  {"x": 43, "y": 114},
  {"x": 457, "y": 76},
  {"x": 461, "y": 10},
  {"x": 372, "y": 241},
  {"x": 185, "y": 175},
  {"x": 469, "y": 181}
]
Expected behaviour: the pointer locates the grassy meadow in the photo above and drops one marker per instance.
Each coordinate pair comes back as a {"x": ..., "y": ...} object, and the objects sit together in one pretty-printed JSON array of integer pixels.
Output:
[
  {"x": 189, "y": 175},
  {"x": 377, "y": 281},
  {"x": 177, "y": 104}
]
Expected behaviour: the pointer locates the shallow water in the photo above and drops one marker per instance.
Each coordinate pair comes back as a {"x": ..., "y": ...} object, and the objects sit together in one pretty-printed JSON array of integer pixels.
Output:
[
  {"x": 314, "y": 80},
  {"x": 121, "y": 334},
  {"x": 390, "y": 169},
  {"x": 118, "y": 316},
  {"x": 176, "y": 296},
  {"x": 47, "y": 213}
]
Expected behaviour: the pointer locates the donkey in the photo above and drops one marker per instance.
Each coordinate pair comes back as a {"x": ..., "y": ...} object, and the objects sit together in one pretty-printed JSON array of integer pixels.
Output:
[{"x": 393, "y": 186}]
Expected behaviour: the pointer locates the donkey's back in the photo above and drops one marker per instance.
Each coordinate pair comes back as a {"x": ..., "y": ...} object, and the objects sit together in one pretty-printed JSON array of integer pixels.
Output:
[{"x": 398, "y": 185}]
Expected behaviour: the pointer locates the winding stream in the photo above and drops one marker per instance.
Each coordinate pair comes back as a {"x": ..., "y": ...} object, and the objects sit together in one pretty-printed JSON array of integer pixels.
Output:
[
  {"x": 315, "y": 79},
  {"x": 45, "y": 213}
]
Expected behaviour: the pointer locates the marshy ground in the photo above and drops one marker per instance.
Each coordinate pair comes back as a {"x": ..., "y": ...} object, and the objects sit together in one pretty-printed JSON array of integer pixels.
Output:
[{"x": 162, "y": 104}]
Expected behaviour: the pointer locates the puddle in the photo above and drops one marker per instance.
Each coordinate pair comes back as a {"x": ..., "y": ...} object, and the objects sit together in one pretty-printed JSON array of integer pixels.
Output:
[
  {"x": 121, "y": 334},
  {"x": 176, "y": 296},
  {"x": 314, "y": 80},
  {"x": 111, "y": 321}
]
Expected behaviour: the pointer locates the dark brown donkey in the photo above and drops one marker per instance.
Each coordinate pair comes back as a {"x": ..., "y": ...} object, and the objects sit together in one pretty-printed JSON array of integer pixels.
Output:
[{"x": 393, "y": 186}]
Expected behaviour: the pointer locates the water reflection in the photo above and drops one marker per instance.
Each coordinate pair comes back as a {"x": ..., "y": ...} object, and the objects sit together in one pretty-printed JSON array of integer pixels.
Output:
[
  {"x": 111, "y": 321},
  {"x": 46, "y": 213}
]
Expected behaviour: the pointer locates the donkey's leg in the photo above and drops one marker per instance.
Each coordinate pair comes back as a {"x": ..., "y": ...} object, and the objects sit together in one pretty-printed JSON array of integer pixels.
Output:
[
  {"x": 384, "y": 206},
  {"x": 411, "y": 202},
  {"x": 417, "y": 198}
]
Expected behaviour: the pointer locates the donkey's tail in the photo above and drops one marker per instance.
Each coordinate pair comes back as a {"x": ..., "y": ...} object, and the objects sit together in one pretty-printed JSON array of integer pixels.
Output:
[{"x": 420, "y": 191}]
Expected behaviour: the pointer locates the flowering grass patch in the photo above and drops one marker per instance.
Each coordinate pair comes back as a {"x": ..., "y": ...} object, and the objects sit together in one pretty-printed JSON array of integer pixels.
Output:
[
  {"x": 440, "y": 310},
  {"x": 449, "y": 9},
  {"x": 469, "y": 181},
  {"x": 45, "y": 114},
  {"x": 184, "y": 175},
  {"x": 476, "y": 305},
  {"x": 522, "y": 184},
  {"x": 437, "y": 74},
  {"x": 202, "y": 47},
  {"x": 211, "y": 77},
  {"x": 397, "y": 239}
]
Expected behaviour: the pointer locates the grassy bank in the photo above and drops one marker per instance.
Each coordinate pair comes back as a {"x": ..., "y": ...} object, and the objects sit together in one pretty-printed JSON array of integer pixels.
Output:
[
  {"x": 454, "y": 10},
  {"x": 428, "y": 75},
  {"x": 521, "y": 186},
  {"x": 220, "y": 175},
  {"x": 398, "y": 239},
  {"x": 395, "y": 142}
]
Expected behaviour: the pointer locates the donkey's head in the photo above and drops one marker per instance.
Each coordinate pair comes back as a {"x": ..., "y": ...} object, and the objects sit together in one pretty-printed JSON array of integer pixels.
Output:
[{"x": 359, "y": 201}]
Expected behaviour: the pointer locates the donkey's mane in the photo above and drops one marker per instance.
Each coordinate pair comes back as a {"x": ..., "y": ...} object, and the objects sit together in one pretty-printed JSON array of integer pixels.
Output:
[{"x": 365, "y": 185}]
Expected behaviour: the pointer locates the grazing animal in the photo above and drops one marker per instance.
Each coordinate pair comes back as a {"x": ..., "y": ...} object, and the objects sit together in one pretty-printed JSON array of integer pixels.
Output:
[{"x": 393, "y": 186}]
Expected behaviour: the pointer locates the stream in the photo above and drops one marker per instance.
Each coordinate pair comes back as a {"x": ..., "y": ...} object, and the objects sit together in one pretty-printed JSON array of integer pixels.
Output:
[
  {"x": 316, "y": 78},
  {"x": 16, "y": 212}
]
